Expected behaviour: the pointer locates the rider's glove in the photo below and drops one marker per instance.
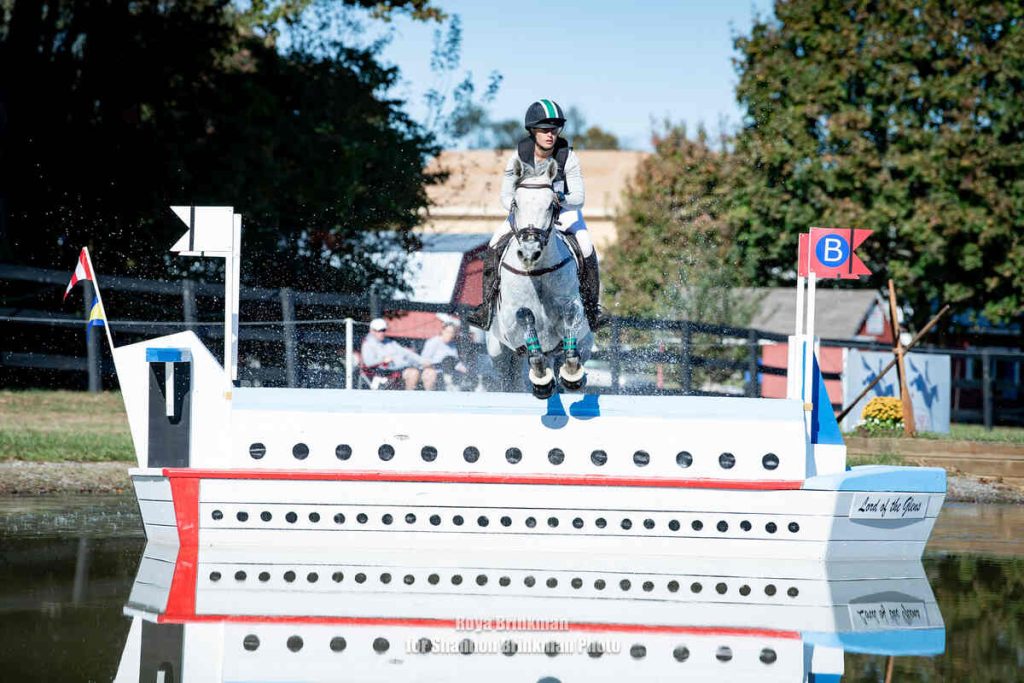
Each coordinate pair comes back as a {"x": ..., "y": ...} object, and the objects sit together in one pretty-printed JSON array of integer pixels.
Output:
[{"x": 561, "y": 197}]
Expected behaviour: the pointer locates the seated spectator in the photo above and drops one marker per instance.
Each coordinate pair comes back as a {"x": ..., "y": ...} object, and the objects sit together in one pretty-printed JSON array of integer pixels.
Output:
[
  {"x": 381, "y": 353},
  {"x": 440, "y": 351}
]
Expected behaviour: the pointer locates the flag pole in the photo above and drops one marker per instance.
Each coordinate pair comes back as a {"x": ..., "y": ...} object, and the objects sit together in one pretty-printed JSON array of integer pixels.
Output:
[{"x": 99, "y": 298}]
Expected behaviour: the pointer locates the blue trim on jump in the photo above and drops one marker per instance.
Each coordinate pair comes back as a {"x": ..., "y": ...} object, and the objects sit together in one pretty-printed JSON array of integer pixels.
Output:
[
  {"x": 882, "y": 478},
  {"x": 918, "y": 642},
  {"x": 824, "y": 428},
  {"x": 158, "y": 355}
]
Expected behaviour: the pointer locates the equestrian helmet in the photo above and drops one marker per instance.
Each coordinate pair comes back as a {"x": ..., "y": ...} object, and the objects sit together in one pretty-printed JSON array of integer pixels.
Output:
[{"x": 545, "y": 114}]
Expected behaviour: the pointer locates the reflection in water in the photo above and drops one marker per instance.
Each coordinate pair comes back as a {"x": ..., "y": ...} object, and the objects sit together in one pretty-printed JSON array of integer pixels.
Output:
[{"x": 263, "y": 616}]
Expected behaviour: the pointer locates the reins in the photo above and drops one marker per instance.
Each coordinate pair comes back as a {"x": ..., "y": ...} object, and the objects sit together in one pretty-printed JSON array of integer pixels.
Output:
[{"x": 540, "y": 234}]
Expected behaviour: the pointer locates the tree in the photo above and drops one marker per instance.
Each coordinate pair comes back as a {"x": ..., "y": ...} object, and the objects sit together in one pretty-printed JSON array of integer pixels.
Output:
[
  {"x": 899, "y": 116},
  {"x": 117, "y": 110}
]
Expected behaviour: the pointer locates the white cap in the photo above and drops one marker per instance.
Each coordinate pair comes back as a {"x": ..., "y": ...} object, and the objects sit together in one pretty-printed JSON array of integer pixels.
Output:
[{"x": 378, "y": 324}]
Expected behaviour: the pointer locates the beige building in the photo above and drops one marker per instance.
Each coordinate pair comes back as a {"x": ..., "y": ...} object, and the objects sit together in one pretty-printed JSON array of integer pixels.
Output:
[{"x": 469, "y": 202}]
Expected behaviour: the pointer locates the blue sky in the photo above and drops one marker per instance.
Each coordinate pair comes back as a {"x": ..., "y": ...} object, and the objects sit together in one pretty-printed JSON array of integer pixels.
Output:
[{"x": 623, "y": 64}]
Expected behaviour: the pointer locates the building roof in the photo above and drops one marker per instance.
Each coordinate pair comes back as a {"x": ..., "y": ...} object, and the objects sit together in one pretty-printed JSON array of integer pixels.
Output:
[
  {"x": 474, "y": 183},
  {"x": 838, "y": 313}
]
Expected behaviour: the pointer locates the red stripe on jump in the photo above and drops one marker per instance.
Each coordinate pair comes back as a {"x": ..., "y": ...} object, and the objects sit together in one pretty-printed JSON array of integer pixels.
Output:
[
  {"x": 182, "y": 596},
  {"x": 469, "y": 478},
  {"x": 169, "y": 618}
]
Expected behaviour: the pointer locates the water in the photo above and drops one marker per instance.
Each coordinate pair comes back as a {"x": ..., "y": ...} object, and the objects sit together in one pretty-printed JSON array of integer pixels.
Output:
[{"x": 67, "y": 568}]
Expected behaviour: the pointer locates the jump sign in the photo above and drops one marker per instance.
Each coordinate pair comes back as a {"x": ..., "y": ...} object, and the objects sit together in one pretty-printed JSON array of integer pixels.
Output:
[{"x": 828, "y": 253}]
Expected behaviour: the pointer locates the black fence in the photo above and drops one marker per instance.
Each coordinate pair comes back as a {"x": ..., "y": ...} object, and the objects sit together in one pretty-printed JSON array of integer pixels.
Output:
[{"x": 297, "y": 339}]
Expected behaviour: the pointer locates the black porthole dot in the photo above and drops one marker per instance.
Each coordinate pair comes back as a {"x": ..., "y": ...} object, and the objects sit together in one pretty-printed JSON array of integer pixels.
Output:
[
  {"x": 300, "y": 451},
  {"x": 482, "y": 521},
  {"x": 338, "y": 644},
  {"x": 314, "y": 517},
  {"x": 509, "y": 648},
  {"x": 435, "y": 520},
  {"x": 457, "y": 520},
  {"x": 648, "y": 586},
  {"x": 294, "y": 643},
  {"x": 627, "y": 524},
  {"x": 696, "y": 525},
  {"x": 529, "y": 582},
  {"x": 648, "y": 523},
  {"x": 552, "y": 582},
  {"x": 409, "y": 579},
  {"x": 338, "y": 577},
  {"x": 504, "y": 581},
  {"x": 289, "y": 576},
  {"x": 600, "y": 523},
  {"x": 428, "y": 453},
  {"x": 551, "y": 648},
  {"x": 466, "y": 646},
  {"x": 343, "y": 451},
  {"x": 240, "y": 576},
  {"x": 471, "y": 454},
  {"x": 794, "y": 527},
  {"x": 598, "y": 457},
  {"x": 457, "y": 580},
  {"x": 770, "y": 461},
  {"x": 481, "y": 579},
  {"x": 673, "y": 586},
  {"x": 792, "y": 592},
  {"x": 769, "y": 590},
  {"x": 387, "y": 518},
  {"x": 339, "y": 518},
  {"x": 361, "y": 518},
  {"x": 577, "y": 523},
  {"x": 381, "y": 645},
  {"x": 257, "y": 451},
  {"x": 723, "y": 526},
  {"x": 746, "y": 525},
  {"x": 251, "y": 642},
  {"x": 386, "y": 452},
  {"x": 674, "y": 525},
  {"x": 625, "y": 584},
  {"x": 291, "y": 518},
  {"x": 214, "y": 576},
  {"x": 433, "y": 579},
  {"x": 556, "y": 456},
  {"x": 727, "y": 461},
  {"x": 641, "y": 458},
  {"x": 410, "y": 518},
  {"x": 744, "y": 590},
  {"x": 506, "y": 521},
  {"x": 595, "y": 650},
  {"x": 684, "y": 459},
  {"x": 242, "y": 516},
  {"x": 266, "y": 516},
  {"x": 360, "y": 578},
  {"x": 768, "y": 656},
  {"x": 217, "y": 514},
  {"x": 423, "y": 646},
  {"x": 721, "y": 588},
  {"x": 513, "y": 455},
  {"x": 552, "y": 522},
  {"x": 638, "y": 651},
  {"x": 531, "y": 522},
  {"x": 681, "y": 653},
  {"x": 385, "y": 578},
  {"x": 577, "y": 582},
  {"x": 696, "y": 587},
  {"x": 264, "y": 577},
  {"x": 770, "y": 527},
  {"x": 312, "y": 577},
  {"x": 599, "y": 584},
  {"x": 724, "y": 653}
]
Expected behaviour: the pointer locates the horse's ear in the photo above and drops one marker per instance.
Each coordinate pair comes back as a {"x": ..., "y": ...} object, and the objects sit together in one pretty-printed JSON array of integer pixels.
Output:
[
  {"x": 552, "y": 169},
  {"x": 517, "y": 168}
]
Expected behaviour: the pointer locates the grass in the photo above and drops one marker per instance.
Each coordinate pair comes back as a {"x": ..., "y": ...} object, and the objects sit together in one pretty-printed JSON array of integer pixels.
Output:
[
  {"x": 854, "y": 460},
  {"x": 957, "y": 432},
  {"x": 63, "y": 426}
]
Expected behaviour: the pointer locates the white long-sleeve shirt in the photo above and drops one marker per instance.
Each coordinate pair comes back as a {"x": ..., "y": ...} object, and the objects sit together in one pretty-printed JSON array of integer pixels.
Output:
[
  {"x": 436, "y": 350},
  {"x": 374, "y": 352},
  {"x": 575, "y": 196}
]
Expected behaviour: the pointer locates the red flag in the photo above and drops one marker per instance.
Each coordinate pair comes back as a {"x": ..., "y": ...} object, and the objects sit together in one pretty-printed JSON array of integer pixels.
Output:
[
  {"x": 801, "y": 255},
  {"x": 830, "y": 253},
  {"x": 82, "y": 272}
]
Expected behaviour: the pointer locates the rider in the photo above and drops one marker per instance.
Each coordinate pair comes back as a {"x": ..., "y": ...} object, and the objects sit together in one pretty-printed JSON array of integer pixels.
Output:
[{"x": 544, "y": 121}]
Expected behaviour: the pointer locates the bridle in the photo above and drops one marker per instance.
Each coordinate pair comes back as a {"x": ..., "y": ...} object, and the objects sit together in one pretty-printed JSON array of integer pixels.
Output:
[{"x": 542, "y": 235}]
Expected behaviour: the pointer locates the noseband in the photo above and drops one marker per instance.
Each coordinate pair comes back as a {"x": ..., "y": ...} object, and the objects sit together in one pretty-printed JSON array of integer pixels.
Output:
[{"x": 542, "y": 235}]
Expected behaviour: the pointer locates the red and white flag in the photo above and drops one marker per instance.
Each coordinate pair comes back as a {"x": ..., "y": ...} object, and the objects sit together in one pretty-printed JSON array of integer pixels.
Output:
[{"x": 82, "y": 272}]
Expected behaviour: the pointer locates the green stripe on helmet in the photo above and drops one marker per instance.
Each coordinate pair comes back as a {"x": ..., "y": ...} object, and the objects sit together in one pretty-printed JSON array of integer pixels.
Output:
[{"x": 549, "y": 107}]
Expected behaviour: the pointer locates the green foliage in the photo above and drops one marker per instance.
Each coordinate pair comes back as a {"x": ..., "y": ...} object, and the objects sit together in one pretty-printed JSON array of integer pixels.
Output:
[
  {"x": 902, "y": 117},
  {"x": 119, "y": 109}
]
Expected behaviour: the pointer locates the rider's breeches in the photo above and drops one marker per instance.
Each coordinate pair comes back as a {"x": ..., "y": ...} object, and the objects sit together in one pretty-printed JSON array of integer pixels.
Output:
[{"x": 570, "y": 221}]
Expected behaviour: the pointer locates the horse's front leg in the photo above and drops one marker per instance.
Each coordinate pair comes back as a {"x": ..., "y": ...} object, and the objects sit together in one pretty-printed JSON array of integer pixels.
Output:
[
  {"x": 571, "y": 374},
  {"x": 541, "y": 377}
]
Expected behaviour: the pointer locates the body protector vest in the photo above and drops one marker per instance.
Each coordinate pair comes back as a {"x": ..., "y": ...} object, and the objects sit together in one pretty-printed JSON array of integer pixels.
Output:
[{"x": 561, "y": 154}]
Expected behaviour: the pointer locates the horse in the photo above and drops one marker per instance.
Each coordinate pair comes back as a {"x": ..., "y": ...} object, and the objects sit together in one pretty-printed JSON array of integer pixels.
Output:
[{"x": 539, "y": 311}]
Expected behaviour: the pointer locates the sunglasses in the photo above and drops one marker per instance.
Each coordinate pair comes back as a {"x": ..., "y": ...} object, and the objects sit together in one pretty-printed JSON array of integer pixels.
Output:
[{"x": 553, "y": 131}]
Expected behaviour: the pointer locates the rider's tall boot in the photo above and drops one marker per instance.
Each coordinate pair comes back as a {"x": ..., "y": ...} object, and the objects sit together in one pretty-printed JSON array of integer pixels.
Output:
[
  {"x": 481, "y": 315},
  {"x": 590, "y": 291}
]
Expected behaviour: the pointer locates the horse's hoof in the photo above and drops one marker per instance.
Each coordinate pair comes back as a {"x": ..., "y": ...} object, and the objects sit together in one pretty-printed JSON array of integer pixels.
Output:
[
  {"x": 573, "y": 384},
  {"x": 544, "y": 391},
  {"x": 543, "y": 385}
]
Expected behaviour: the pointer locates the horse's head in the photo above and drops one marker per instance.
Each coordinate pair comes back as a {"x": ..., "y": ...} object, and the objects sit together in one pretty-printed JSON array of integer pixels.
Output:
[{"x": 534, "y": 210}]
